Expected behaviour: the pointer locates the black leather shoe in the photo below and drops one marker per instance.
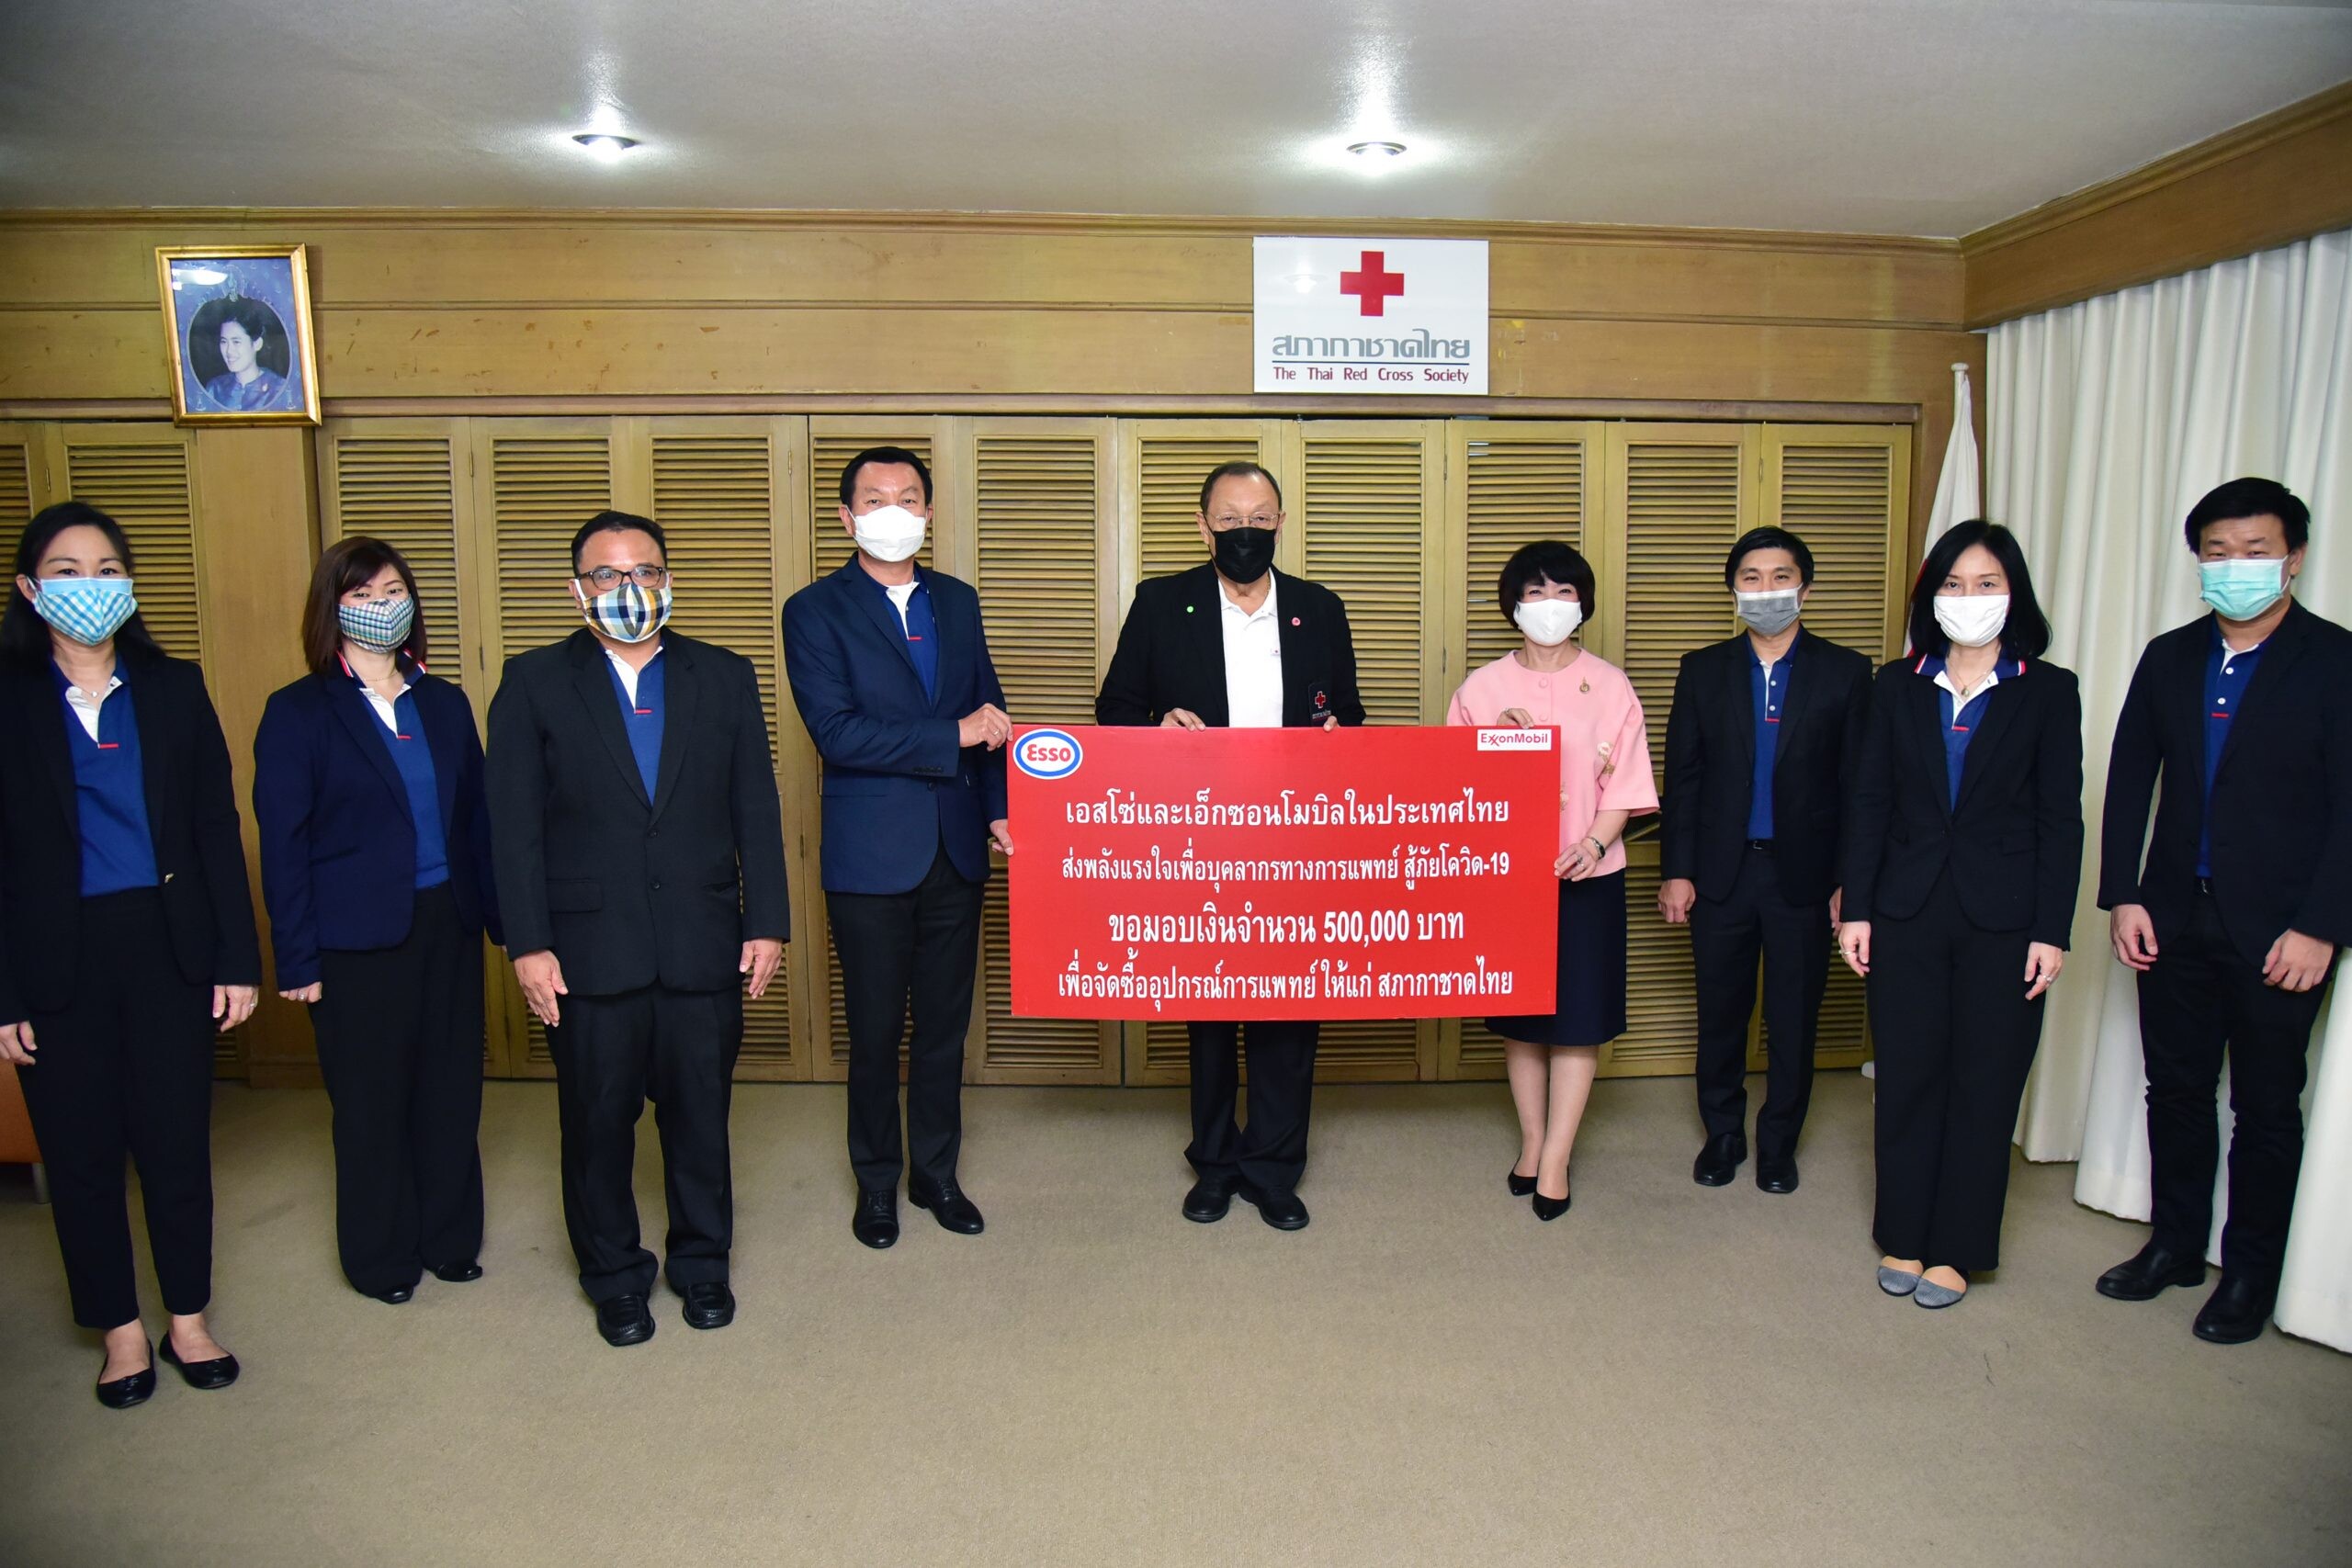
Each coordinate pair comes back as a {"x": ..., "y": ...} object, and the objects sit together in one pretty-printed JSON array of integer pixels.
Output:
[
  {"x": 1776, "y": 1175},
  {"x": 1279, "y": 1209},
  {"x": 464, "y": 1273},
  {"x": 874, "y": 1221},
  {"x": 1207, "y": 1201},
  {"x": 218, "y": 1372},
  {"x": 1719, "y": 1160},
  {"x": 1550, "y": 1208},
  {"x": 949, "y": 1207},
  {"x": 394, "y": 1296},
  {"x": 625, "y": 1320},
  {"x": 2149, "y": 1272},
  {"x": 136, "y": 1389},
  {"x": 1520, "y": 1186},
  {"x": 710, "y": 1305},
  {"x": 2238, "y": 1310}
]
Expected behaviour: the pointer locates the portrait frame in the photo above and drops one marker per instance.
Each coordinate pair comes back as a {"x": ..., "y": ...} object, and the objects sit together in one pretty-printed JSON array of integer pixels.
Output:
[{"x": 237, "y": 334}]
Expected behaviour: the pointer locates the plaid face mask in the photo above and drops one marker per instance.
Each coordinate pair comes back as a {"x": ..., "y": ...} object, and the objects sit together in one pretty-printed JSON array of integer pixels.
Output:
[
  {"x": 626, "y": 612},
  {"x": 87, "y": 609},
  {"x": 378, "y": 625}
]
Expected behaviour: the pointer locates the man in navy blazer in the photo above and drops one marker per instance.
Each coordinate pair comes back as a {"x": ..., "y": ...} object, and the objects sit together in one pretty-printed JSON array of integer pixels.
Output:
[{"x": 889, "y": 667}]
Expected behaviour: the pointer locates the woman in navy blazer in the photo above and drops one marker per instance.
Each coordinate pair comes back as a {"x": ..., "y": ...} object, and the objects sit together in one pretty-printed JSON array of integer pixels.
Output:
[{"x": 375, "y": 863}]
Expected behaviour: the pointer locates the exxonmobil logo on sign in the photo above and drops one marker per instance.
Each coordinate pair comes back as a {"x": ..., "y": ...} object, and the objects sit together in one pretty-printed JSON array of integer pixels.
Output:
[
  {"x": 1362, "y": 315},
  {"x": 1048, "y": 754}
]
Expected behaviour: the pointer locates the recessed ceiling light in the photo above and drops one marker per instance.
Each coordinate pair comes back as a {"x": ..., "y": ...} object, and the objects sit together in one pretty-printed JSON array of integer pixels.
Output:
[
  {"x": 1377, "y": 149},
  {"x": 605, "y": 143}
]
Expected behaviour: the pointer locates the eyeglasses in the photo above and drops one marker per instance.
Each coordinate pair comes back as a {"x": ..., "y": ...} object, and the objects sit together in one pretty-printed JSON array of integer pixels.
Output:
[
  {"x": 605, "y": 579},
  {"x": 1230, "y": 521}
]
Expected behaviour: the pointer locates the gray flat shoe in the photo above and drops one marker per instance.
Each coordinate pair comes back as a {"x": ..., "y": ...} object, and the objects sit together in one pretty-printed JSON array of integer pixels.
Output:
[
  {"x": 1927, "y": 1294},
  {"x": 1895, "y": 1282}
]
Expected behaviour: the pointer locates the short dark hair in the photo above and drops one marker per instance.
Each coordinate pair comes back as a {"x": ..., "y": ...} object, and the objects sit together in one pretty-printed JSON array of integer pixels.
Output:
[
  {"x": 258, "y": 320},
  {"x": 343, "y": 566},
  {"x": 1240, "y": 468},
  {"x": 2026, "y": 633},
  {"x": 24, "y": 635},
  {"x": 616, "y": 523},
  {"x": 886, "y": 455},
  {"x": 1768, "y": 538},
  {"x": 1545, "y": 561},
  {"x": 2250, "y": 497}
]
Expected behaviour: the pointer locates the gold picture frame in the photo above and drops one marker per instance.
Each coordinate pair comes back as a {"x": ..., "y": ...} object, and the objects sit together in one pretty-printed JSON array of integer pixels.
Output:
[{"x": 237, "y": 329}]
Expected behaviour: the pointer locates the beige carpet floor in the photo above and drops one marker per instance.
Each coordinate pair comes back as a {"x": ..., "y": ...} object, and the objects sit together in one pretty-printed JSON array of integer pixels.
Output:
[{"x": 1669, "y": 1375}]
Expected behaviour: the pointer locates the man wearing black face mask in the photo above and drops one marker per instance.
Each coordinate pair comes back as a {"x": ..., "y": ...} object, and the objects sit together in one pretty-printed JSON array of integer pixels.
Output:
[
  {"x": 1235, "y": 643},
  {"x": 1761, "y": 747}
]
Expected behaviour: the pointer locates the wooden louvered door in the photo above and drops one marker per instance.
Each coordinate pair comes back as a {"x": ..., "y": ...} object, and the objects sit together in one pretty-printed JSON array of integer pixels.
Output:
[
  {"x": 1844, "y": 491},
  {"x": 1161, "y": 465},
  {"x": 1678, "y": 496},
  {"x": 1049, "y": 578},
  {"x": 16, "y": 507},
  {"x": 535, "y": 482},
  {"x": 832, "y": 442},
  {"x": 1509, "y": 482}
]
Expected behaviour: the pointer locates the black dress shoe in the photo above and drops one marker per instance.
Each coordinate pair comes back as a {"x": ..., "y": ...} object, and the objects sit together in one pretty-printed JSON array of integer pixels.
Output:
[
  {"x": 218, "y": 1372},
  {"x": 1207, "y": 1201},
  {"x": 949, "y": 1207},
  {"x": 625, "y": 1320},
  {"x": 709, "y": 1305},
  {"x": 464, "y": 1273},
  {"x": 394, "y": 1296},
  {"x": 1550, "y": 1208},
  {"x": 1776, "y": 1175},
  {"x": 2149, "y": 1272},
  {"x": 1520, "y": 1186},
  {"x": 874, "y": 1221},
  {"x": 136, "y": 1389},
  {"x": 2238, "y": 1310},
  {"x": 1719, "y": 1159},
  {"x": 1277, "y": 1206}
]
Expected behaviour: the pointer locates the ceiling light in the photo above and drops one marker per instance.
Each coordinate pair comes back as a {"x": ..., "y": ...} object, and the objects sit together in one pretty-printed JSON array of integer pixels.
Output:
[
  {"x": 605, "y": 143},
  {"x": 1377, "y": 149}
]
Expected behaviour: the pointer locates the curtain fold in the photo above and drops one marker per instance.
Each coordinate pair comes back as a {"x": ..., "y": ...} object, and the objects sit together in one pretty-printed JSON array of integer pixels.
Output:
[{"x": 2105, "y": 421}]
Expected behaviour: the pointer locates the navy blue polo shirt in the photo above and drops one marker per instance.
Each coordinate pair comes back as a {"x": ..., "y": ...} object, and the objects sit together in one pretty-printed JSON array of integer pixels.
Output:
[
  {"x": 1959, "y": 726},
  {"x": 111, "y": 793},
  {"x": 921, "y": 626},
  {"x": 2227, "y": 675},
  {"x": 412, "y": 756},
  {"x": 642, "y": 718},
  {"x": 1768, "y": 688}
]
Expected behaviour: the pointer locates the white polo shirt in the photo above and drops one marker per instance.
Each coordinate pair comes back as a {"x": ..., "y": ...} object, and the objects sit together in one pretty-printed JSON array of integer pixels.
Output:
[{"x": 1253, "y": 660}]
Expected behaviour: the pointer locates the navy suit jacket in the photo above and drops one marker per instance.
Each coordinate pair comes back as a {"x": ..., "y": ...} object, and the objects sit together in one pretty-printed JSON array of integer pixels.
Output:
[
  {"x": 338, "y": 843},
  {"x": 897, "y": 786}
]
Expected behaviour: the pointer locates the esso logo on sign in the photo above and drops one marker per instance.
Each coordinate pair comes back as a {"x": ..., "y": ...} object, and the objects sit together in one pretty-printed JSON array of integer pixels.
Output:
[{"x": 1047, "y": 754}]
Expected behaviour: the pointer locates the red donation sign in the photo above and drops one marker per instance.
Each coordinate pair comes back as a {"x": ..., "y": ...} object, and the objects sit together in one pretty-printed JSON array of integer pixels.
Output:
[{"x": 1240, "y": 874}]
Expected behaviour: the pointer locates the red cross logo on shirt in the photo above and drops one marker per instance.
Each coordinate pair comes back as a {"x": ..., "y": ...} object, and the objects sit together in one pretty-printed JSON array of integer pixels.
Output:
[{"x": 1373, "y": 285}]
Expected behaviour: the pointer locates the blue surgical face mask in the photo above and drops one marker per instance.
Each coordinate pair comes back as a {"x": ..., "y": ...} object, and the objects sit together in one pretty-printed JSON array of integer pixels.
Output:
[
  {"x": 379, "y": 625},
  {"x": 2242, "y": 590},
  {"x": 87, "y": 609}
]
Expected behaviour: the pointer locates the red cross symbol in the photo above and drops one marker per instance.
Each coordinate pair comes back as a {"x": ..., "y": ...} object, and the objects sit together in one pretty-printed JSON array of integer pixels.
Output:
[{"x": 1373, "y": 285}]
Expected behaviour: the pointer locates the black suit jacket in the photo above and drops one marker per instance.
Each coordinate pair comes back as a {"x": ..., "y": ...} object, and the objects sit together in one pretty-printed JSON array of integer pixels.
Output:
[
  {"x": 628, "y": 891},
  {"x": 1711, "y": 764},
  {"x": 2282, "y": 796},
  {"x": 191, "y": 816},
  {"x": 1171, "y": 654},
  {"x": 2014, "y": 841}
]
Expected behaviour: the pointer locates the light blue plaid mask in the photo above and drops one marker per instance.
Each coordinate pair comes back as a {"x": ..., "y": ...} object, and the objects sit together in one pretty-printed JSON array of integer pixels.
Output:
[
  {"x": 87, "y": 609},
  {"x": 628, "y": 613},
  {"x": 378, "y": 625}
]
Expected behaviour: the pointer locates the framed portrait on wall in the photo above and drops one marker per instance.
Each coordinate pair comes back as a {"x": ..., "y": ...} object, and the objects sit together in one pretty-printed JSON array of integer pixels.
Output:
[{"x": 238, "y": 318}]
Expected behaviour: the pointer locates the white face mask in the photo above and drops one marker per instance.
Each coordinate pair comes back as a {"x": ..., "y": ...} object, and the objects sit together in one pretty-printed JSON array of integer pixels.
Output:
[
  {"x": 1971, "y": 620},
  {"x": 1549, "y": 622},
  {"x": 889, "y": 532}
]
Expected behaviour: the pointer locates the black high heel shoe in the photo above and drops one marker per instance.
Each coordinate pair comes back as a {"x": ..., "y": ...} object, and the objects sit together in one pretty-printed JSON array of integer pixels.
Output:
[
  {"x": 219, "y": 1372},
  {"x": 136, "y": 1389},
  {"x": 1520, "y": 1186},
  {"x": 1550, "y": 1208}
]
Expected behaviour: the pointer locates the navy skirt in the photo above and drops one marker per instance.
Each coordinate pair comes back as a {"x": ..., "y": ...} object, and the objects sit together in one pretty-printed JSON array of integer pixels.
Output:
[{"x": 1591, "y": 993}]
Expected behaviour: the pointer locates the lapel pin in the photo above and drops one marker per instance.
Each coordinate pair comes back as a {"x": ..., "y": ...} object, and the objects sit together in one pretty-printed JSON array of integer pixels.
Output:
[
  {"x": 1294, "y": 620},
  {"x": 1188, "y": 609}
]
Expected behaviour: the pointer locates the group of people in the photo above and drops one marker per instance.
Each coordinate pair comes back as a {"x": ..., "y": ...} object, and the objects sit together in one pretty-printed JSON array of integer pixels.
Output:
[{"x": 620, "y": 837}]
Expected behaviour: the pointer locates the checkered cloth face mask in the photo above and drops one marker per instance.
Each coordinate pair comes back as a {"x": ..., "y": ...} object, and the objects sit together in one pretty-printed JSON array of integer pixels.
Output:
[
  {"x": 378, "y": 625},
  {"x": 628, "y": 611},
  {"x": 87, "y": 609}
]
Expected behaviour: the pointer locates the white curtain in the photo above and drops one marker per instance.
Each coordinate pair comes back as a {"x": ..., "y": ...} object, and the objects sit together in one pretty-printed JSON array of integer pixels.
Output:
[{"x": 2105, "y": 421}]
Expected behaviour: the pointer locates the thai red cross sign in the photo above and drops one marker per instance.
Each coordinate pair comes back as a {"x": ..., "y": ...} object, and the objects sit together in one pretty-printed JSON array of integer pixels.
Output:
[
  {"x": 1240, "y": 874},
  {"x": 1401, "y": 316}
]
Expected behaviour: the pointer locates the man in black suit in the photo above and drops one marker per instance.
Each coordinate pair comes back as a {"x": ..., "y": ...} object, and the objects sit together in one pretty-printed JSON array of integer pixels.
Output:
[
  {"x": 2247, "y": 891},
  {"x": 1233, "y": 643},
  {"x": 1760, "y": 752},
  {"x": 637, "y": 837}
]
